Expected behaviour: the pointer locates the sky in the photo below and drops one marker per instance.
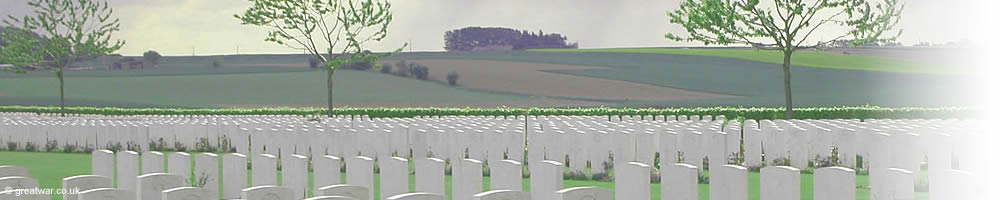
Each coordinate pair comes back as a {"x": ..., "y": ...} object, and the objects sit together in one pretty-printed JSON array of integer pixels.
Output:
[{"x": 207, "y": 27}]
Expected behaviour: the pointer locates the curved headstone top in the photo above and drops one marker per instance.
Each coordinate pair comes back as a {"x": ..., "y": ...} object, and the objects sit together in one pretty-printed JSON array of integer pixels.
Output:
[
  {"x": 584, "y": 193},
  {"x": 417, "y": 196}
]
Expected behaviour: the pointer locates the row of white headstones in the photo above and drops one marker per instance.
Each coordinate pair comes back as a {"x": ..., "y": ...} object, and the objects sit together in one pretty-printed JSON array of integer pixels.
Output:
[{"x": 632, "y": 142}]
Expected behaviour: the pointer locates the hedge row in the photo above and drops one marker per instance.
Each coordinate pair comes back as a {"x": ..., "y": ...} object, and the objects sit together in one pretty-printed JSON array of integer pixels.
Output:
[{"x": 847, "y": 112}]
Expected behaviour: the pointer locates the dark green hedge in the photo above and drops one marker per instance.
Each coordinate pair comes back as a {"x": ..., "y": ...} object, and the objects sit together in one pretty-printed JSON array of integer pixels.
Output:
[{"x": 848, "y": 112}]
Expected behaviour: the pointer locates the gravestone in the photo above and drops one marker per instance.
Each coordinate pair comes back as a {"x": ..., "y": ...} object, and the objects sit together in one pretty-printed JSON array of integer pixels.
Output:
[
  {"x": 834, "y": 183},
  {"x": 294, "y": 174},
  {"x": 360, "y": 172},
  {"x": 503, "y": 195},
  {"x": 578, "y": 193},
  {"x": 468, "y": 179},
  {"x": 206, "y": 173},
  {"x": 84, "y": 183},
  {"x": 267, "y": 192},
  {"x": 734, "y": 180},
  {"x": 188, "y": 193},
  {"x": 680, "y": 181},
  {"x": 429, "y": 175},
  {"x": 353, "y": 191},
  {"x": 505, "y": 175},
  {"x": 10, "y": 170},
  {"x": 417, "y": 196},
  {"x": 264, "y": 169},
  {"x": 234, "y": 175},
  {"x": 179, "y": 163},
  {"x": 632, "y": 181},
  {"x": 900, "y": 185},
  {"x": 153, "y": 162},
  {"x": 102, "y": 194},
  {"x": 102, "y": 163},
  {"x": 150, "y": 186},
  {"x": 394, "y": 176},
  {"x": 779, "y": 183},
  {"x": 330, "y": 198},
  {"x": 128, "y": 169},
  {"x": 546, "y": 178},
  {"x": 326, "y": 171},
  {"x": 17, "y": 182}
]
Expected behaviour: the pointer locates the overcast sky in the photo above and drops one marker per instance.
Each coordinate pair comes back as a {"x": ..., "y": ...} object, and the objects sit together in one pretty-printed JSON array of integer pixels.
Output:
[{"x": 174, "y": 27}]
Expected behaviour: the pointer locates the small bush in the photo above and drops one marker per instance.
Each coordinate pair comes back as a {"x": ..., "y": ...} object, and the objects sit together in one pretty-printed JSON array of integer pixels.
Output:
[
  {"x": 132, "y": 146},
  {"x": 12, "y": 146},
  {"x": 360, "y": 66},
  {"x": 69, "y": 148},
  {"x": 781, "y": 162},
  {"x": 204, "y": 145},
  {"x": 403, "y": 68},
  {"x": 113, "y": 147},
  {"x": 158, "y": 145},
  {"x": 30, "y": 147},
  {"x": 829, "y": 161},
  {"x": 420, "y": 72},
  {"x": 386, "y": 68},
  {"x": 180, "y": 147},
  {"x": 51, "y": 146},
  {"x": 452, "y": 78}
]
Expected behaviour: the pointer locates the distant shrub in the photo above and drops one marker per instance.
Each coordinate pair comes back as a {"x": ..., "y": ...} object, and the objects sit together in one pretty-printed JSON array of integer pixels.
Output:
[
  {"x": 386, "y": 68},
  {"x": 419, "y": 71},
  {"x": 313, "y": 63},
  {"x": 51, "y": 145},
  {"x": 403, "y": 68},
  {"x": 152, "y": 57},
  {"x": 453, "y": 78},
  {"x": 216, "y": 64},
  {"x": 69, "y": 148}
]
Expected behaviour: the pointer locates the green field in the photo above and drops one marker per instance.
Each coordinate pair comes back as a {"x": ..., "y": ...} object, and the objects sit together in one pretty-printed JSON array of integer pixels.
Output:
[
  {"x": 819, "y": 79},
  {"x": 285, "y": 88},
  {"x": 50, "y": 168},
  {"x": 803, "y": 58}
]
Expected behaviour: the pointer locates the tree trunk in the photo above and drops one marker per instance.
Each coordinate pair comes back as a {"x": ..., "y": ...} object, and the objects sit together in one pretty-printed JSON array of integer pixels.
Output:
[
  {"x": 329, "y": 92},
  {"x": 787, "y": 67},
  {"x": 62, "y": 92}
]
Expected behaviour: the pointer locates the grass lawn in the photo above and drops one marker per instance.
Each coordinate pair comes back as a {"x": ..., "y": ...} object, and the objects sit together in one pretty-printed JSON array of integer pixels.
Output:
[
  {"x": 50, "y": 168},
  {"x": 799, "y": 58}
]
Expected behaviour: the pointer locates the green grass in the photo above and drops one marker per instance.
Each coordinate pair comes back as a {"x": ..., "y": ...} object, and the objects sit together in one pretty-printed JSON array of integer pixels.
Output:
[
  {"x": 799, "y": 58},
  {"x": 50, "y": 168},
  {"x": 295, "y": 88}
]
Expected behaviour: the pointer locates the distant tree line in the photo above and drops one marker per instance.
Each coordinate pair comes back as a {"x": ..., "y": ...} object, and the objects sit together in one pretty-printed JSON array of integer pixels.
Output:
[{"x": 476, "y": 38}]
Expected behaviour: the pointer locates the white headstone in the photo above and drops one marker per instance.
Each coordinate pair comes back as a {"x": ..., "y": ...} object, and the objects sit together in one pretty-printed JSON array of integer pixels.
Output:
[
  {"x": 417, "y": 196},
  {"x": 779, "y": 183},
  {"x": 179, "y": 163},
  {"x": 429, "y": 175},
  {"x": 84, "y": 183},
  {"x": 128, "y": 169},
  {"x": 326, "y": 171},
  {"x": 468, "y": 179},
  {"x": 546, "y": 179},
  {"x": 234, "y": 175},
  {"x": 577, "y": 193},
  {"x": 267, "y": 192},
  {"x": 264, "y": 169},
  {"x": 150, "y": 186},
  {"x": 102, "y": 163},
  {"x": 680, "y": 181},
  {"x": 505, "y": 175},
  {"x": 153, "y": 162},
  {"x": 330, "y": 198},
  {"x": 834, "y": 183},
  {"x": 735, "y": 183},
  {"x": 632, "y": 181},
  {"x": 360, "y": 172},
  {"x": 503, "y": 195},
  {"x": 900, "y": 185},
  {"x": 353, "y": 191},
  {"x": 206, "y": 172},
  {"x": 294, "y": 174},
  {"x": 103, "y": 194},
  {"x": 394, "y": 176},
  {"x": 10, "y": 170},
  {"x": 189, "y": 193}
]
